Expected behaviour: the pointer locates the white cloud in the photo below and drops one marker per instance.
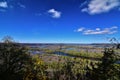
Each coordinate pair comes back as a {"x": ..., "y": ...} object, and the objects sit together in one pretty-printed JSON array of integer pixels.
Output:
[
  {"x": 84, "y": 10},
  {"x": 97, "y": 29},
  {"x": 3, "y": 4},
  {"x": 80, "y": 29},
  {"x": 100, "y": 6},
  {"x": 110, "y": 30},
  {"x": 54, "y": 13}
]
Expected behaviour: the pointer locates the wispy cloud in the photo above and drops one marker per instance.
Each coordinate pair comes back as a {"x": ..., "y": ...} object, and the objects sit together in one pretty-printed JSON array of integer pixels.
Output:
[
  {"x": 101, "y": 6},
  {"x": 110, "y": 30},
  {"x": 3, "y": 4},
  {"x": 80, "y": 29},
  {"x": 38, "y": 14},
  {"x": 54, "y": 13},
  {"x": 83, "y": 4},
  {"x": 2, "y": 10},
  {"x": 21, "y": 5}
]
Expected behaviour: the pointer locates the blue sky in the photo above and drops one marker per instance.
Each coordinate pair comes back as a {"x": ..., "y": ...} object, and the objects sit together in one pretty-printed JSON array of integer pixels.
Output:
[{"x": 60, "y": 21}]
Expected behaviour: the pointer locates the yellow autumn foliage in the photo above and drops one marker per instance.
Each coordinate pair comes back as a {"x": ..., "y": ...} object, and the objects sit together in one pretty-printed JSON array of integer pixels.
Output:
[{"x": 37, "y": 70}]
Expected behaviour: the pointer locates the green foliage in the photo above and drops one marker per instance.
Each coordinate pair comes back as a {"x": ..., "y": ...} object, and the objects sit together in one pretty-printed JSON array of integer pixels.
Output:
[
  {"x": 67, "y": 70},
  {"x": 13, "y": 60},
  {"x": 84, "y": 54},
  {"x": 63, "y": 71},
  {"x": 70, "y": 69},
  {"x": 36, "y": 70},
  {"x": 108, "y": 69},
  {"x": 118, "y": 46},
  {"x": 17, "y": 64}
]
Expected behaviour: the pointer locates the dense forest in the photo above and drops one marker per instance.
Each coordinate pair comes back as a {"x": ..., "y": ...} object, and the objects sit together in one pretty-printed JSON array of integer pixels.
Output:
[{"x": 17, "y": 63}]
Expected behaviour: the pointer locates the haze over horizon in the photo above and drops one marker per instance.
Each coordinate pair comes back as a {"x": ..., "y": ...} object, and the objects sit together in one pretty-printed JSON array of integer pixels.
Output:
[{"x": 60, "y": 21}]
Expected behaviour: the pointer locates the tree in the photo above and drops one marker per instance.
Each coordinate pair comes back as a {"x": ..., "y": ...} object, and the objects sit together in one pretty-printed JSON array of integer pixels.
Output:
[
  {"x": 8, "y": 39},
  {"x": 65, "y": 71},
  {"x": 14, "y": 60},
  {"x": 118, "y": 46},
  {"x": 108, "y": 69},
  {"x": 37, "y": 69},
  {"x": 115, "y": 43}
]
